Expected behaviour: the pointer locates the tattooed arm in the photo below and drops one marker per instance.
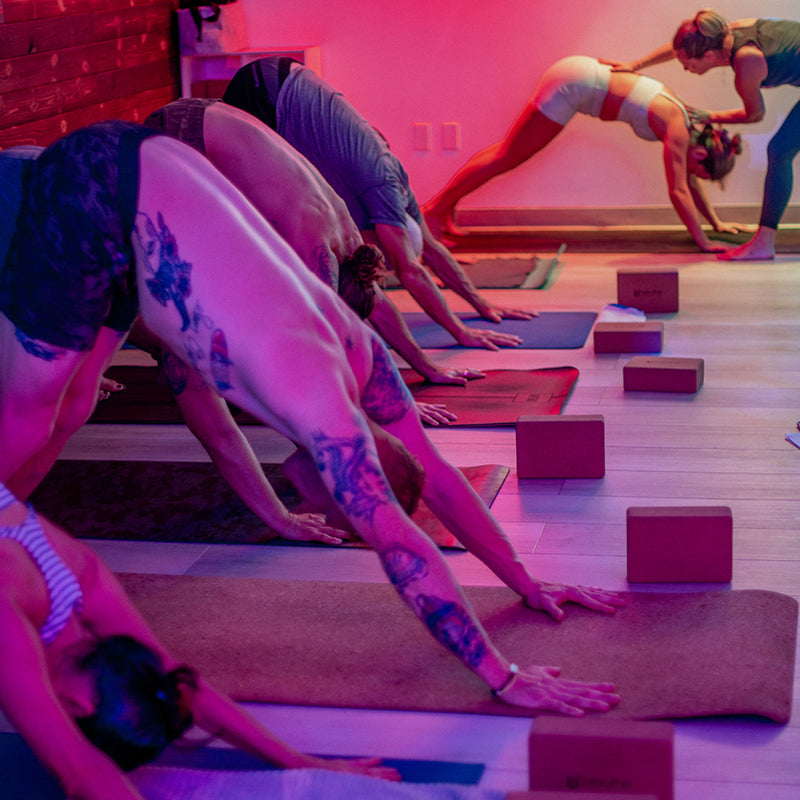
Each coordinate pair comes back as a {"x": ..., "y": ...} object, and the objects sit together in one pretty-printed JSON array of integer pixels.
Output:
[
  {"x": 349, "y": 466},
  {"x": 207, "y": 416},
  {"x": 451, "y": 498}
]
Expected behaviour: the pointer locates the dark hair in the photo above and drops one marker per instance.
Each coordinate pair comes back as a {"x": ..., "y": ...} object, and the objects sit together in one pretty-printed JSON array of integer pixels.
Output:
[
  {"x": 140, "y": 707},
  {"x": 706, "y": 31},
  {"x": 722, "y": 150},
  {"x": 357, "y": 276}
]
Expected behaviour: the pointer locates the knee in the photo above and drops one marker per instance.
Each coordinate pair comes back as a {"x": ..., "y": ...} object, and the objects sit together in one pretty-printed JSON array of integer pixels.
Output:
[
  {"x": 75, "y": 410},
  {"x": 782, "y": 150}
]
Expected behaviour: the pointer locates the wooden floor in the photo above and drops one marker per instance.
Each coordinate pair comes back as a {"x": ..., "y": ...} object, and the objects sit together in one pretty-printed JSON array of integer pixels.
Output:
[{"x": 723, "y": 446}]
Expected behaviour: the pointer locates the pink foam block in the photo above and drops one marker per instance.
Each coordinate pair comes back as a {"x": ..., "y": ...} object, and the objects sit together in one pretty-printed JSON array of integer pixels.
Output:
[
  {"x": 628, "y": 337},
  {"x": 663, "y": 374},
  {"x": 602, "y": 756},
  {"x": 682, "y": 544},
  {"x": 648, "y": 290},
  {"x": 561, "y": 446}
]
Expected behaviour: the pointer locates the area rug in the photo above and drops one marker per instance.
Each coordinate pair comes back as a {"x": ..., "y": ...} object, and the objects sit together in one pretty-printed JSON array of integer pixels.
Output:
[
  {"x": 358, "y": 645},
  {"x": 167, "y": 501},
  {"x": 501, "y": 397},
  {"x": 551, "y": 330}
]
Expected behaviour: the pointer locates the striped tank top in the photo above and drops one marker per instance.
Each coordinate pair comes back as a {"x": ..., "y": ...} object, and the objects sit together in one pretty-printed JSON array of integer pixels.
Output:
[{"x": 62, "y": 585}]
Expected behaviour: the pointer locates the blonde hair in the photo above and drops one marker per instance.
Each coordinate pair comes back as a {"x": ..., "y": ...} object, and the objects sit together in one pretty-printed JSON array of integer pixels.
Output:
[{"x": 705, "y": 32}]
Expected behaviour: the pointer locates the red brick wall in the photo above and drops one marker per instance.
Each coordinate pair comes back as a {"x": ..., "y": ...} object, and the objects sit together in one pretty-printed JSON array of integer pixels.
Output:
[{"x": 68, "y": 63}]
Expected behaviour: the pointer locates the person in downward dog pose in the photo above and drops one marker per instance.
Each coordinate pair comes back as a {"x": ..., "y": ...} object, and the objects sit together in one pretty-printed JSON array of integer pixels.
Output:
[
  {"x": 582, "y": 85},
  {"x": 86, "y": 682},
  {"x": 357, "y": 162},
  {"x": 311, "y": 369},
  {"x": 763, "y": 53}
]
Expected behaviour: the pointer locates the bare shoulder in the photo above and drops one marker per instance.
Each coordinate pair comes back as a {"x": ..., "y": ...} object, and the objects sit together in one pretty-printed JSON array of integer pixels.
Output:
[{"x": 744, "y": 23}]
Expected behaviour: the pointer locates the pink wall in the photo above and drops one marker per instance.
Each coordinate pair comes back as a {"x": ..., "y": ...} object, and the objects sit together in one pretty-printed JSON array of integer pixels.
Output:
[{"x": 475, "y": 62}]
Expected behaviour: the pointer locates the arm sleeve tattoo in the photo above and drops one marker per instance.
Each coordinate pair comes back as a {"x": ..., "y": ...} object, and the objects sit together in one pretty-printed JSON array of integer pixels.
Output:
[{"x": 385, "y": 397}]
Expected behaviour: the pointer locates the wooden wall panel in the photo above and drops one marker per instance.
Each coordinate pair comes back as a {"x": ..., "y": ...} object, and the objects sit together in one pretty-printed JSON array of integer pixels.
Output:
[{"x": 67, "y": 63}]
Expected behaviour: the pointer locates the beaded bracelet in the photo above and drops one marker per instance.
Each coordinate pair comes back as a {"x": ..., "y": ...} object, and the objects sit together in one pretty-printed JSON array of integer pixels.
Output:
[{"x": 508, "y": 683}]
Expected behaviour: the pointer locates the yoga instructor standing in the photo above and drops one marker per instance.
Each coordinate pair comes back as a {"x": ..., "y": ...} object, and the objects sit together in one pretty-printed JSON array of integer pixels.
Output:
[{"x": 762, "y": 53}]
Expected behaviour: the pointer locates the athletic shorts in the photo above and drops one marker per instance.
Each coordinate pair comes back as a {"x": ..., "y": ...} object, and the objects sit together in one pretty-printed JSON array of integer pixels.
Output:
[
  {"x": 182, "y": 120},
  {"x": 573, "y": 85},
  {"x": 70, "y": 268},
  {"x": 256, "y": 86}
]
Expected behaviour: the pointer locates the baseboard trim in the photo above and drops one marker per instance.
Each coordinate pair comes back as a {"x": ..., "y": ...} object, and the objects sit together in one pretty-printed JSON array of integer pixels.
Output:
[{"x": 626, "y": 217}]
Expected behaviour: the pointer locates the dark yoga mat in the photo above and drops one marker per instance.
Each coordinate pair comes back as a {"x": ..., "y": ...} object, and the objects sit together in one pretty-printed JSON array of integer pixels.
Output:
[
  {"x": 502, "y": 270},
  {"x": 501, "y": 397},
  {"x": 498, "y": 399},
  {"x": 166, "y": 501},
  {"x": 357, "y": 645},
  {"x": 551, "y": 330},
  {"x": 24, "y": 778},
  {"x": 599, "y": 240}
]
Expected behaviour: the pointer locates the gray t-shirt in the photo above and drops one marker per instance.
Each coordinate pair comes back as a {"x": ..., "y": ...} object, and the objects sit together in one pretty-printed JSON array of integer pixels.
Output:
[{"x": 352, "y": 155}]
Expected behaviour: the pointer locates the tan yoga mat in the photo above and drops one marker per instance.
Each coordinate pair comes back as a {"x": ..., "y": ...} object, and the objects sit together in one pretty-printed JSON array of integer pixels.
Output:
[{"x": 357, "y": 645}]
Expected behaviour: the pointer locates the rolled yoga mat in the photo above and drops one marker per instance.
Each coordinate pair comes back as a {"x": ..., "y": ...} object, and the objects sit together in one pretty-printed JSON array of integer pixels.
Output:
[
  {"x": 551, "y": 330},
  {"x": 183, "y": 501},
  {"x": 357, "y": 645}
]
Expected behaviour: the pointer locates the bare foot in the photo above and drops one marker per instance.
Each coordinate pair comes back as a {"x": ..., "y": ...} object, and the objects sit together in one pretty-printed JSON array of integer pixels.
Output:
[
  {"x": 746, "y": 252},
  {"x": 442, "y": 226},
  {"x": 760, "y": 248}
]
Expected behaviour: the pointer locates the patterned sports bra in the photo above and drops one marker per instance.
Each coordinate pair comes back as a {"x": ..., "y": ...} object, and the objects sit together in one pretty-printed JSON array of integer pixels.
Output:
[{"x": 62, "y": 585}]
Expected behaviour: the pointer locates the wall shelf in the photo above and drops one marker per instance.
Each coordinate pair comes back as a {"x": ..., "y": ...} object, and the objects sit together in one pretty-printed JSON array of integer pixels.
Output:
[{"x": 206, "y": 75}]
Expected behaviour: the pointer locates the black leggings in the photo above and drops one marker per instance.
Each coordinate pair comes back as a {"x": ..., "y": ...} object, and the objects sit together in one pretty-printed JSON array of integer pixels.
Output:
[{"x": 781, "y": 152}]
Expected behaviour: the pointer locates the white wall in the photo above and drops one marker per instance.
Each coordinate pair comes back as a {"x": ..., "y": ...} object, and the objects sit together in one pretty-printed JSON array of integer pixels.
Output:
[{"x": 476, "y": 62}]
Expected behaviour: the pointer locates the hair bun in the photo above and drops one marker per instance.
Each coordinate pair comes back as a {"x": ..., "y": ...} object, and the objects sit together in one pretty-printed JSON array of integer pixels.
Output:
[{"x": 368, "y": 260}]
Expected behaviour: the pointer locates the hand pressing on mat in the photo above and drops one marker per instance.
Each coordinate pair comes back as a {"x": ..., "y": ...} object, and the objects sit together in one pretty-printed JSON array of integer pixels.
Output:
[
  {"x": 541, "y": 688},
  {"x": 549, "y": 597},
  {"x": 435, "y": 413},
  {"x": 88, "y": 684},
  {"x": 491, "y": 340},
  {"x": 454, "y": 377},
  {"x": 309, "y": 527},
  {"x": 498, "y": 313},
  {"x": 356, "y": 766}
]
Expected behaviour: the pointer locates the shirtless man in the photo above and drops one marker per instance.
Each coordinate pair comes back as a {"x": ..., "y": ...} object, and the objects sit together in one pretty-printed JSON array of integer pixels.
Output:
[
  {"x": 309, "y": 368},
  {"x": 298, "y": 202}
]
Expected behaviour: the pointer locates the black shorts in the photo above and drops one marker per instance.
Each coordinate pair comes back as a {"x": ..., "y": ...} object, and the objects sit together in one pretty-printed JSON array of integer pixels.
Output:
[
  {"x": 182, "y": 120},
  {"x": 70, "y": 268}
]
